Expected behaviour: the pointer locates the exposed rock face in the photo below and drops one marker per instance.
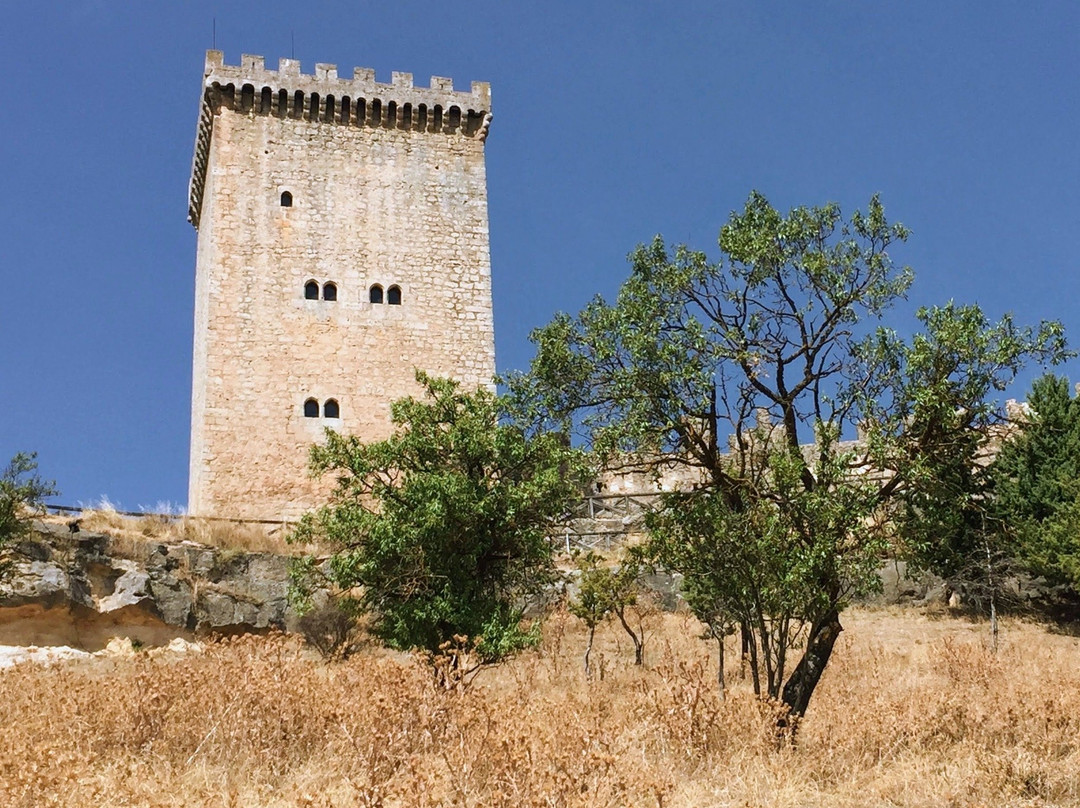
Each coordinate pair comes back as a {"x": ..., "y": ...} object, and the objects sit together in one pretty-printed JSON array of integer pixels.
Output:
[
  {"x": 81, "y": 589},
  {"x": 899, "y": 585}
]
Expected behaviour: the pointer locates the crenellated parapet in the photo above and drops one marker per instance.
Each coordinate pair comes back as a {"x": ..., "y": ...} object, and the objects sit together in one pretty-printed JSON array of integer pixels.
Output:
[{"x": 324, "y": 98}]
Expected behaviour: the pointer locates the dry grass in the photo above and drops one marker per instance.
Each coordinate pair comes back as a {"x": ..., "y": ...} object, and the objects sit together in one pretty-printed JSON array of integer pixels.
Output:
[
  {"x": 914, "y": 711},
  {"x": 246, "y": 536}
]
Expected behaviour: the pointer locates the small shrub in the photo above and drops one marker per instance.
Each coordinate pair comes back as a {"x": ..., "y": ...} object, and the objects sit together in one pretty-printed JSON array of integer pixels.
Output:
[{"x": 331, "y": 627}]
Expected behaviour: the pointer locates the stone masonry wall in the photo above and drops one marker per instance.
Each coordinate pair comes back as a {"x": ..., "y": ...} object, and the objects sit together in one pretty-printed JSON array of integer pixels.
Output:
[{"x": 373, "y": 202}]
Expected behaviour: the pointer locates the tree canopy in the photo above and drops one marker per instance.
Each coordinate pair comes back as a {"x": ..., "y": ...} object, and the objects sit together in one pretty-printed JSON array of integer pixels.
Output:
[
  {"x": 1036, "y": 484},
  {"x": 734, "y": 368},
  {"x": 441, "y": 529}
]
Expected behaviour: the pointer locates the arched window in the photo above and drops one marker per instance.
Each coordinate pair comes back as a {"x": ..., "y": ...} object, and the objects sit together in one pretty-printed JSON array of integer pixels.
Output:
[
  {"x": 311, "y": 290},
  {"x": 375, "y": 294},
  {"x": 393, "y": 295},
  {"x": 330, "y": 409},
  {"x": 329, "y": 291},
  {"x": 286, "y": 199},
  {"x": 311, "y": 408}
]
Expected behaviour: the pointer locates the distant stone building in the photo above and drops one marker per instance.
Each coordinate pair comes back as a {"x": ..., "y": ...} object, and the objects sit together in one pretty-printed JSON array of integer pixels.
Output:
[{"x": 342, "y": 243}]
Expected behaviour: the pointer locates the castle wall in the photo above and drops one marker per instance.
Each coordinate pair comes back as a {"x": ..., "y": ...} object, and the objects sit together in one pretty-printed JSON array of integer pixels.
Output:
[{"x": 383, "y": 204}]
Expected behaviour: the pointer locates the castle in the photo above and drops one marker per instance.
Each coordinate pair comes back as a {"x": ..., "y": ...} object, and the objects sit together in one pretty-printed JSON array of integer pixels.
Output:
[{"x": 342, "y": 244}]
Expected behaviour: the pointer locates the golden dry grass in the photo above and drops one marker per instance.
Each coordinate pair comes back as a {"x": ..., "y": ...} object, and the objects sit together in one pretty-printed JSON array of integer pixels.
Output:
[
  {"x": 913, "y": 711},
  {"x": 231, "y": 535}
]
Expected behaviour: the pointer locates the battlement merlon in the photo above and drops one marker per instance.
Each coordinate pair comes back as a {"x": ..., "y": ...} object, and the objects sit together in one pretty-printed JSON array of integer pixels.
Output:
[
  {"x": 325, "y": 81},
  {"x": 435, "y": 108}
]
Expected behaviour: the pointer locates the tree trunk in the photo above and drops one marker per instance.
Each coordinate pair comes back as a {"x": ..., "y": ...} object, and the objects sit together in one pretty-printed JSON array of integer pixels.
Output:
[
  {"x": 720, "y": 680},
  {"x": 588, "y": 650},
  {"x": 744, "y": 633},
  {"x": 807, "y": 674},
  {"x": 639, "y": 642},
  {"x": 755, "y": 674}
]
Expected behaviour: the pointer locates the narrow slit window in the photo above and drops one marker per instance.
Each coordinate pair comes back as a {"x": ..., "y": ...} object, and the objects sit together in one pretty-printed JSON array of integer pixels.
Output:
[
  {"x": 329, "y": 291},
  {"x": 375, "y": 294},
  {"x": 311, "y": 290},
  {"x": 393, "y": 296},
  {"x": 286, "y": 199},
  {"x": 311, "y": 408},
  {"x": 330, "y": 409}
]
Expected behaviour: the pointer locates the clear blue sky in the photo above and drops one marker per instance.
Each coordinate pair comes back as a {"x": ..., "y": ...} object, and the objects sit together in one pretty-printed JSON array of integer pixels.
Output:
[{"x": 613, "y": 121}]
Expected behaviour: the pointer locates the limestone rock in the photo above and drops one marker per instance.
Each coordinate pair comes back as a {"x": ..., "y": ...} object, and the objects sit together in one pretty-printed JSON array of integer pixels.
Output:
[
  {"x": 15, "y": 654},
  {"x": 83, "y": 589}
]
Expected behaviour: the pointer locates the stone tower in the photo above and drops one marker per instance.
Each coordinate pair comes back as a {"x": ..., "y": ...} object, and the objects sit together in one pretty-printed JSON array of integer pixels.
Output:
[{"x": 342, "y": 243}]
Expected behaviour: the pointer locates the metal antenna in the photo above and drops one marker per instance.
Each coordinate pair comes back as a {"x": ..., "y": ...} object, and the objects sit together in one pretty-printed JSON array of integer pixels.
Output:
[
  {"x": 214, "y": 38},
  {"x": 292, "y": 36}
]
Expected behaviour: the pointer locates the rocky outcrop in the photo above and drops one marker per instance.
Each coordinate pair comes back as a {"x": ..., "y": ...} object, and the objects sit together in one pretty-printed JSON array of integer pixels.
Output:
[{"x": 80, "y": 589}]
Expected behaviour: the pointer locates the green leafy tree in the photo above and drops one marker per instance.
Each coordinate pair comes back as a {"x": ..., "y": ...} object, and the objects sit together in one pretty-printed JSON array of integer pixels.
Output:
[
  {"x": 22, "y": 494},
  {"x": 731, "y": 368},
  {"x": 441, "y": 529},
  {"x": 604, "y": 591},
  {"x": 1036, "y": 480},
  {"x": 941, "y": 398}
]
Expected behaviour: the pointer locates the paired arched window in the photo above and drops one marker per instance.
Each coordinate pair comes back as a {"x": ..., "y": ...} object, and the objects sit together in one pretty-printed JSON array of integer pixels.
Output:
[
  {"x": 286, "y": 199},
  {"x": 392, "y": 297},
  {"x": 330, "y": 408},
  {"x": 329, "y": 291}
]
